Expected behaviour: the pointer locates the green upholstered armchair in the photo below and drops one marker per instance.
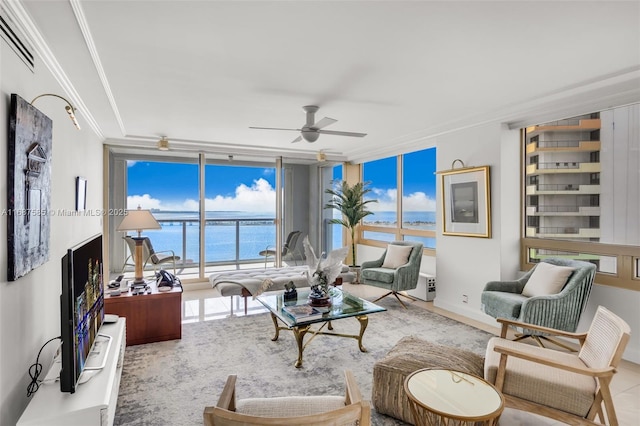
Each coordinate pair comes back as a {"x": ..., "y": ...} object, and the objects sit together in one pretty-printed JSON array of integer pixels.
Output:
[
  {"x": 394, "y": 272},
  {"x": 560, "y": 311}
]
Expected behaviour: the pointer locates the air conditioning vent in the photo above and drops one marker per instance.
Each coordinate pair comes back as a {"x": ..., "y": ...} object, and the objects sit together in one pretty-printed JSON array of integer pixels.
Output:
[{"x": 22, "y": 49}]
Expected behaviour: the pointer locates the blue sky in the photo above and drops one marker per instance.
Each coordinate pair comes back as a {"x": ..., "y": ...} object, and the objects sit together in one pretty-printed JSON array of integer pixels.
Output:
[{"x": 174, "y": 186}]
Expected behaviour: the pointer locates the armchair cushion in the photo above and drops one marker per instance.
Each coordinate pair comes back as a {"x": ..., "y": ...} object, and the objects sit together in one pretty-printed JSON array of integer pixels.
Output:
[
  {"x": 289, "y": 406},
  {"x": 396, "y": 256},
  {"x": 546, "y": 279},
  {"x": 549, "y": 386},
  {"x": 382, "y": 275}
]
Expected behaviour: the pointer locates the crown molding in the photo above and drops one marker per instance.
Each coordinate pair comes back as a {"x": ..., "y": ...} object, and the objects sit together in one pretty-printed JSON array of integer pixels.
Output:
[{"x": 21, "y": 18}]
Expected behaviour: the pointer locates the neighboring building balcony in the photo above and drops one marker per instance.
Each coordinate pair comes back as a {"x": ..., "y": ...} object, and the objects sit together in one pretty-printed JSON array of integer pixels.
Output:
[
  {"x": 563, "y": 146},
  {"x": 563, "y": 210},
  {"x": 571, "y": 125},
  {"x": 557, "y": 167},
  {"x": 563, "y": 232},
  {"x": 560, "y": 189}
]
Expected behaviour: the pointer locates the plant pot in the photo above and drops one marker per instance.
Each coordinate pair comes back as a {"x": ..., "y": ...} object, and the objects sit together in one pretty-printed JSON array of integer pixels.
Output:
[{"x": 355, "y": 269}]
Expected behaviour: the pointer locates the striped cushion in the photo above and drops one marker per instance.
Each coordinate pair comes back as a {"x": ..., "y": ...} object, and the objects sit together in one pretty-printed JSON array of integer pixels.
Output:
[
  {"x": 566, "y": 391},
  {"x": 289, "y": 406}
]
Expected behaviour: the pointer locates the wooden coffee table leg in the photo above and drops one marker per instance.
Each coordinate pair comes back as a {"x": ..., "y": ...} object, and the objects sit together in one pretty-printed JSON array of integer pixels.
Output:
[
  {"x": 364, "y": 321},
  {"x": 299, "y": 332}
]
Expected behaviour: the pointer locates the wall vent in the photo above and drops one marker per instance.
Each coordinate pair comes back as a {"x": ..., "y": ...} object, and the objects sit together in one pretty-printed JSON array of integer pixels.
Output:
[{"x": 22, "y": 49}]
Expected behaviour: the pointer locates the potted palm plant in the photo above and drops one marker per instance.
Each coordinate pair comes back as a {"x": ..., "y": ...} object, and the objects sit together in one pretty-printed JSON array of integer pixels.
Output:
[{"x": 349, "y": 201}]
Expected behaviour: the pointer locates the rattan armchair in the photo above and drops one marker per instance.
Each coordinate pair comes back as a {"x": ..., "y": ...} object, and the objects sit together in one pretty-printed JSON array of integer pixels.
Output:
[
  {"x": 289, "y": 411},
  {"x": 567, "y": 386}
]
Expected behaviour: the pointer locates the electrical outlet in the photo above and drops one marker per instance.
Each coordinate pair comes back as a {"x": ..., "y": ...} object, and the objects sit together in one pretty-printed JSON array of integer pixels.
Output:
[{"x": 465, "y": 298}]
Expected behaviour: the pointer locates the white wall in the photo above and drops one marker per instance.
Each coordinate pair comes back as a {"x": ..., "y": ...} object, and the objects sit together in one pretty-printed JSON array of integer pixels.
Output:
[{"x": 30, "y": 307}]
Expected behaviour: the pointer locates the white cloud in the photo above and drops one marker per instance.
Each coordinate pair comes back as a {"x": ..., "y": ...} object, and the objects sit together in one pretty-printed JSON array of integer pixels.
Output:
[
  {"x": 131, "y": 163},
  {"x": 144, "y": 201},
  {"x": 417, "y": 201},
  {"x": 259, "y": 197}
]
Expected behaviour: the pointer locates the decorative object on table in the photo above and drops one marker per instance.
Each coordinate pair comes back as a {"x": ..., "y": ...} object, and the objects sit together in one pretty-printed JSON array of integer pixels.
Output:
[
  {"x": 349, "y": 201},
  {"x": 302, "y": 313},
  {"x": 321, "y": 272},
  {"x": 466, "y": 201},
  {"x": 290, "y": 292},
  {"x": 138, "y": 220},
  {"x": 28, "y": 188}
]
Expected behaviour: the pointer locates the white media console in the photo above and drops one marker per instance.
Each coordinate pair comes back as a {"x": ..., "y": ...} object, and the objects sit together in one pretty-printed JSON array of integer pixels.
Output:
[{"x": 94, "y": 401}]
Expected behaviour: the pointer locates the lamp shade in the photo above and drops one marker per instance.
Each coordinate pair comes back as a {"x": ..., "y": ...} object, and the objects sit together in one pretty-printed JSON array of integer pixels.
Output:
[{"x": 137, "y": 220}]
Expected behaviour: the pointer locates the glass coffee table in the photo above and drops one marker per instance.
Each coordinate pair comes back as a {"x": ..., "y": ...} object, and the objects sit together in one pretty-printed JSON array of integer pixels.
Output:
[{"x": 343, "y": 305}]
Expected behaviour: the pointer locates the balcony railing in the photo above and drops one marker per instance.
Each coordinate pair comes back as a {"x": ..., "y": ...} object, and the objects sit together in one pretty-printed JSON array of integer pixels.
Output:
[
  {"x": 227, "y": 241},
  {"x": 558, "y": 187},
  {"x": 559, "y": 165},
  {"x": 558, "y": 144}
]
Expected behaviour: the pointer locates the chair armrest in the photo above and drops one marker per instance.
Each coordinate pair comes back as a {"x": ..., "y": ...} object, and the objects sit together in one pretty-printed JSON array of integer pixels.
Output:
[
  {"x": 371, "y": 264},
  {"x": 173, "y": 253},
  {"x": 505, "y": 286},
  {"x": 587, "y": 371},
  {"x": 552, "y": 331},
  {"x": 227, "y": 398},
  {"x": 353, "y": 394}
]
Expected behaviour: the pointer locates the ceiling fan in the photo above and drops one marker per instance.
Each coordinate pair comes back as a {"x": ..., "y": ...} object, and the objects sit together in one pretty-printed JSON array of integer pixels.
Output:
[{"x": 312, "y": 130}]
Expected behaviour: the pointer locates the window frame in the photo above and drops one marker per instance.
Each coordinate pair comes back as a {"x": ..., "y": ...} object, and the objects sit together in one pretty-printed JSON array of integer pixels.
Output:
[
  {"x": 397, "y": 231},
  {"x": 627, "y": 275}
]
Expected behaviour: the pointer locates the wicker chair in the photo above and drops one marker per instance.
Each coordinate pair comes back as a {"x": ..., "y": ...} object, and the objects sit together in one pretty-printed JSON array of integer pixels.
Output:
[
  {"x": 569, "y": 387},
  {"x": 293, "y": 410}
]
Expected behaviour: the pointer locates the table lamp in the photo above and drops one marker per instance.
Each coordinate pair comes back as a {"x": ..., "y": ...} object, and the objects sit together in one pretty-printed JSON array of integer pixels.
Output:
[{"x": 137, "y": 220}]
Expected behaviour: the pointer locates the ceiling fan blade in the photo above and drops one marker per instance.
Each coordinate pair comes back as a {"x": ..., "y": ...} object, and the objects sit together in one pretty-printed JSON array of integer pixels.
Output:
[
  {"x": 324, "y": 123},
  {"x": 333, "y": 132},
  {"x": 298, "y": 139},
  {"x": 273, "y": 128}
]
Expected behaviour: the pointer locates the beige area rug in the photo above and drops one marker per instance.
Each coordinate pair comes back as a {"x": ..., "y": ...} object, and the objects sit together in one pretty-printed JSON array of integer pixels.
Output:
[{"x": 170, "y": 383}]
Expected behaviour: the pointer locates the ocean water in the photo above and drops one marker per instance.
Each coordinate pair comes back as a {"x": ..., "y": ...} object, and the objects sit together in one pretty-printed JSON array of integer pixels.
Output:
[{"x": 254, "y": 231}]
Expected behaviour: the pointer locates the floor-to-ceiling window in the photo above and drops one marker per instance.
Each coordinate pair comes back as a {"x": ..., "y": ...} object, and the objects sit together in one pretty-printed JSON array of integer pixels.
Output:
[
  {"x": 413, "y": 176},
  {"x": 240, "y": 207},
  {"x": 170, "y": 190},
  {"x": 214, "y": 212}
]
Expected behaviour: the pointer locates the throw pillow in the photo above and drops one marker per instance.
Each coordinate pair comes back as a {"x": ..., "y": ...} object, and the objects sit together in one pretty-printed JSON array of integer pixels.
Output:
[
  {"x": 396, "y": 256},
  {"x": 546, "y": 279}
]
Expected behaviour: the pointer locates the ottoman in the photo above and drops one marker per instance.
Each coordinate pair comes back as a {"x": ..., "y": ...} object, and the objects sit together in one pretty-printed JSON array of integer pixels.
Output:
[{"x": 408, "y": 355}]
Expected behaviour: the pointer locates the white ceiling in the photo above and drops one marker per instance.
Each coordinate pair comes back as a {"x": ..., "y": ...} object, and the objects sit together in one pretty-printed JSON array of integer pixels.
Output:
[{"x": 202, "y": 72}]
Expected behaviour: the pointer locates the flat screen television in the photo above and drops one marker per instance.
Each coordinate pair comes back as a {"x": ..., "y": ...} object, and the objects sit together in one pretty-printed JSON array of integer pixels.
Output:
[{"x": 81, "y": 308}]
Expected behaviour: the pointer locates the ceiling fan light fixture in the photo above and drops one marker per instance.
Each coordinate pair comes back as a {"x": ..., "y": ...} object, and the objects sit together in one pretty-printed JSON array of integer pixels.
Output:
[
  {"x": 163, "y": 144},
  {"x": 310, "y": 135}
]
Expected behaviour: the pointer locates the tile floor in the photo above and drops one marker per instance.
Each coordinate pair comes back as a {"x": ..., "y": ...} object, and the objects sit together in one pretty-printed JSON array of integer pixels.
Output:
[{"x": 206, "y": 304}]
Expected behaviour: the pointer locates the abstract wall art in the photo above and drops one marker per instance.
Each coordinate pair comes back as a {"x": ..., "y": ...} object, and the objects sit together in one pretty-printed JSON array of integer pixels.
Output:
[{"x": 28, "y": 188}]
